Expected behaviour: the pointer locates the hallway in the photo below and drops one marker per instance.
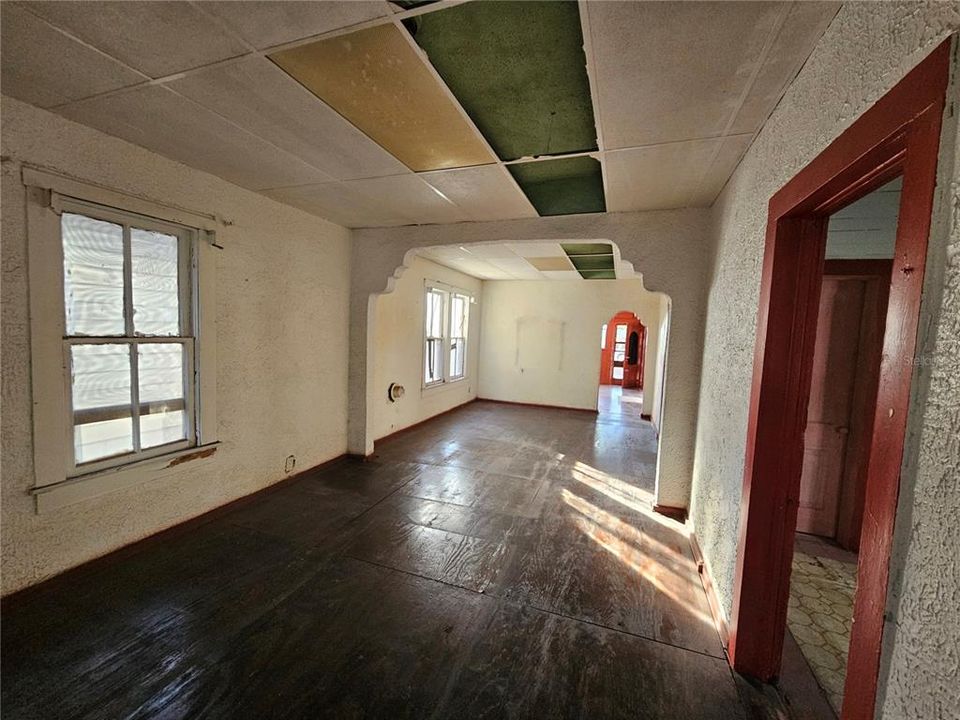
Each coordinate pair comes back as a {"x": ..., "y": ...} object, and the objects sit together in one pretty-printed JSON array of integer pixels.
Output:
[{"x": 497, "y": 561}]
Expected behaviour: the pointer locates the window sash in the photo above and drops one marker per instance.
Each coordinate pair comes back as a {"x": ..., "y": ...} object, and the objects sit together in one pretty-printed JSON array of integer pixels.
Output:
[
  {"x": 452, "y": 334},
  {"x": 186, "y": 283}
]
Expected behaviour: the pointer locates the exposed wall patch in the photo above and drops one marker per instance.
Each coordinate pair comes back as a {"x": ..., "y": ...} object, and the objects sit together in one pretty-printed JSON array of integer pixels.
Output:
[
  {"x": 518, "y": 69},
  {"x": 562, "y": 187},
  {"x": 374, "y": 78}
]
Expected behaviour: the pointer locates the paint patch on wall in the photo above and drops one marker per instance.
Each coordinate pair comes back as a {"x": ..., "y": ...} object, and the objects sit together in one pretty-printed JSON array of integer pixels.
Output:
[
  {"x": 375, "y": 79},
  {"x": 562, "y": 187},
  {"x": 518, "y": 69}
]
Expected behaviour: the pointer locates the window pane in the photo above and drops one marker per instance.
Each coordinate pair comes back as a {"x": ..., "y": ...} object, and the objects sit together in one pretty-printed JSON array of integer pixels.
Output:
[
  {"x": 433, "y": 361},
  {"x": 434, "y": 326},
  {"x": 618, "y": 373},
  {"x": 92, "y": 275},
  {"x": 458, "y": 316},
  {"x": 458, "y": 348},
  {"x": 162, "y": 394},
  {"x": 603, "y": 337},
  {"x": 621, "y": 333},
  {"x": 103, "y": 419},
  {"x": 154, "y": 259}
]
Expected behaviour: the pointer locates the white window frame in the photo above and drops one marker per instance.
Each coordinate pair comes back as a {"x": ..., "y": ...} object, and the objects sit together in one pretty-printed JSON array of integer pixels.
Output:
[
  {"x": 444, "y": 337},
  {"x": 58, "y": 480},
  {"x": 447, "y": 292},
  {"x": 186, "y": 241},
  {"x": 450, "y": 377}
]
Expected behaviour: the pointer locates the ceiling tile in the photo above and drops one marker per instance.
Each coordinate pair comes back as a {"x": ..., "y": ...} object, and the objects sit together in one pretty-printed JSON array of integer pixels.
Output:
[
  {"x": 410, "y": 196},
  {"x": 574, "y": 249},
  {"x": 258, "y": 96},
  {"x": 378, "y": 81},
  {"x": 265, "y": 23},
  {"x": 550, "y": 263},
  {"x": 593, "y": 262},
  {"x": 160, "y": 120},
  {"x": 339, "y": 204},
  {"x": 535, "y": 249},
  {"x": 564, "y": 275},
  {"x": 488, "y": 251},
  {"x": 157, "y": 38},
  {"x": 519, "y": 70},
  {"x": 562, "y": 186},
  {"x": 676, "y": 71},
  {"x": 44, "y": 67},
  {"x": 673, "y": 175},
  {"x": 803, "y": 27},
  {"x": 483, "y": 193}
]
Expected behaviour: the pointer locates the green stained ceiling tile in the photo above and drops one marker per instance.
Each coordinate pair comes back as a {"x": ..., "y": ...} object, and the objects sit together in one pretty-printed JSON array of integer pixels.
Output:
[
  {"x": 410, "y": 4},
  {"x": 572, "y": 249},
  {"x": 518, "y": 69},
  {"x": 562, "y": 187},
  {"x": 598, "y": 274},
  {"x": 593, "y": 262}
]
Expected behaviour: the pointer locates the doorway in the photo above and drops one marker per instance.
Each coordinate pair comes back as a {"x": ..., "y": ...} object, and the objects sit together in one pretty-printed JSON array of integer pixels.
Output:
[
  {"x": 836, "y": 444},
  {"x": 899, "y": 135},
  {"x": 623, "y": 344}
]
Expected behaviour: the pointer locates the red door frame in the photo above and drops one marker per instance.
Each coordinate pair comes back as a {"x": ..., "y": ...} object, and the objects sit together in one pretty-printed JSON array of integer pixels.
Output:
[
  {"x": 634, "y": 324},
  {"x": 900, "y": 134}
]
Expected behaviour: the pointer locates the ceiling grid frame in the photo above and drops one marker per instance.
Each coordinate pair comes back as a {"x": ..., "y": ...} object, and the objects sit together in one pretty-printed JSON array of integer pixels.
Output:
[{"x": 395, "y": 15}]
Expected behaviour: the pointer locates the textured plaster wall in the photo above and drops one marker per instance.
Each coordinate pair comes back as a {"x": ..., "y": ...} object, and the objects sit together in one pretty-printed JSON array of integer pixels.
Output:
[
  {"x": 282, "y": 298},
  {"x": 398, "y": 349},
  {"x": 564, "y": 373},
  {"x": 670, "y": 249},
  {"x": 866, "y": 50}
]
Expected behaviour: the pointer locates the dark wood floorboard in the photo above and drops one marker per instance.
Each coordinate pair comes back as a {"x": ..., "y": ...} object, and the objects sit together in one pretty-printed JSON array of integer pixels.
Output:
[{"x": 496, "y": 562}]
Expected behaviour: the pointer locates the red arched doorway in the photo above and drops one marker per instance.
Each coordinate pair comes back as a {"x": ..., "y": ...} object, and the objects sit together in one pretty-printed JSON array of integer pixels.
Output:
[{"x": 622, "y": 351}]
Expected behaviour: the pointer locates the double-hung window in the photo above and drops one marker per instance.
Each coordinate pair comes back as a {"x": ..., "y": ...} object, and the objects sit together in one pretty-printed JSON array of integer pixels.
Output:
[
  {"x": 129, "y": 336},
  {"x": 446, "y": 320}
]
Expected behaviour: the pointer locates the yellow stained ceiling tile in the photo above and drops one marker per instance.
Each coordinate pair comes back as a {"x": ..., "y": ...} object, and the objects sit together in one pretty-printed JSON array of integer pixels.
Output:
[
  {"x": 550, "y": 263},
  {"x": 376, "y": 80}
]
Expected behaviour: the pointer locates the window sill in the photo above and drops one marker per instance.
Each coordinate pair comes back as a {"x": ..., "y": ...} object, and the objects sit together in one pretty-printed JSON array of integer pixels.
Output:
[
  {"x": 430, "y": 389},
  {"x": 83, "y": 487}
]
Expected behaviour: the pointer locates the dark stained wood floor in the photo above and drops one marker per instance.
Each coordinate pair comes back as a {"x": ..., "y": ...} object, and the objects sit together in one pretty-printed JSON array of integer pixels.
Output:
[{"x": 496, "y": 562}]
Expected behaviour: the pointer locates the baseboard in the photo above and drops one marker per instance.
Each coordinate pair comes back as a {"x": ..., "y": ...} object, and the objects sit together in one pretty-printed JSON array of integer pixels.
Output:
[
  {"x": 592, "y": 411},
  {"x": 167, "y": 533},
  {"x": 418, "y": 423},
  {"x": 674, "y": 513},
  {"x": 713, "y": 600}
]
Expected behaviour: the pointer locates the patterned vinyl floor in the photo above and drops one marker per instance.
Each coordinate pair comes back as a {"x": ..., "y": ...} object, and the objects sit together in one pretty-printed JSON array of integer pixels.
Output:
[{"x": 819, "y": 616}]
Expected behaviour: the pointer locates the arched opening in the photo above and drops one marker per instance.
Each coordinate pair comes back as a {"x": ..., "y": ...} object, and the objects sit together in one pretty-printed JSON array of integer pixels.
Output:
[
  {"x": 528, "y": 324},
  {"x": 623, "y": 348}
]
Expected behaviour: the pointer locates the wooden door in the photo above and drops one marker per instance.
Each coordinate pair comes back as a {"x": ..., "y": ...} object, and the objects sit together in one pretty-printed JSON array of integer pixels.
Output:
[{"x": 829, "y": 411}]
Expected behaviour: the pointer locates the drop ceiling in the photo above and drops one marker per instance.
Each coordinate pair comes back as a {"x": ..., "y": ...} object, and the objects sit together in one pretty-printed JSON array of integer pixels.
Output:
[
  {"x": 373, "y": 113},
  {"x": 533, "y": 260}
]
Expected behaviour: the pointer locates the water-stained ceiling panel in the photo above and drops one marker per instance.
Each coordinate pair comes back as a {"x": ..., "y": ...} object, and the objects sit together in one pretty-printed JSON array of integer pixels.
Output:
[
  {"x": 376, "y": 80},
  {"x": 518, "y": 69}
]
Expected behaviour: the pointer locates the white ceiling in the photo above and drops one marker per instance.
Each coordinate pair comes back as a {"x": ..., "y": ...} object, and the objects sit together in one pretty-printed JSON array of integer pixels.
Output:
[
  {"x": 512, "y": 261},
  {"x": 680, "y": 89},
  {"x": 866, "y": 229}
]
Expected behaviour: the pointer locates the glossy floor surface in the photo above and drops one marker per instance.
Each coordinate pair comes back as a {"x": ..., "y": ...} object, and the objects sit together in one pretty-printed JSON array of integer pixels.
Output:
[
  {"x": 623, "y": 404},
  {"x": 498, "y": 561}
]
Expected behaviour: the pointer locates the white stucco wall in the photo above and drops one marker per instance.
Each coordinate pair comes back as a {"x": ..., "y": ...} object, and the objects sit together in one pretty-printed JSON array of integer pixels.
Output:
[
  {"x": 558, "y": 368},
  {"x": 398, "y": 349},
  {"x": 282, "y": 298},
  {"x": 867, "y": 49},
  {"x": 670, "y": 249}
]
